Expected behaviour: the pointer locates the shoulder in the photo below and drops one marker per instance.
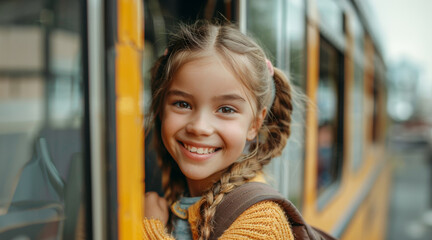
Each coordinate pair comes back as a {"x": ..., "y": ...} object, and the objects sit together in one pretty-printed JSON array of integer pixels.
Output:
[
  {"x": 265, "y": 209},
  {"x": 263, "y": 220}
]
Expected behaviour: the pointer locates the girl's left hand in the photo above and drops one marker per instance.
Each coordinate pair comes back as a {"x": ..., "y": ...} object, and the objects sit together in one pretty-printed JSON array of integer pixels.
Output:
[{"x": 156, "y": 207}]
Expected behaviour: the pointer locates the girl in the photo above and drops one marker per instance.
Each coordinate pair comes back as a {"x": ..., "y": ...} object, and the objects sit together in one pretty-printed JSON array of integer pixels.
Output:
[{"x": 220, "y": 112}]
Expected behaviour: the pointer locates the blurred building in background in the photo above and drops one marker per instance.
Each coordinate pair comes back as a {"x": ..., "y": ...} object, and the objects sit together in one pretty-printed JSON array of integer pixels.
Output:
[
  {"x": 408, "y": 98},
  {"x": 403, "y": 81}
]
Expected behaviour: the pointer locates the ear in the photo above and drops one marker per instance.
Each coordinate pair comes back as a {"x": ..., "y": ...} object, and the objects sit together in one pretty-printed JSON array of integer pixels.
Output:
[{"x": 256, "y": 125}]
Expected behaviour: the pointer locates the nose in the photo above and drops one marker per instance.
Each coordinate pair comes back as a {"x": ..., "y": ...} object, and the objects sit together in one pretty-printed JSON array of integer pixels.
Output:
[{"x": 200, "y": 125}]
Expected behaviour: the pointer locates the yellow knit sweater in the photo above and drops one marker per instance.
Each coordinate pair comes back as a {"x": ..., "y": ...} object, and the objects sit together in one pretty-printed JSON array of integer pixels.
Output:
[{"x": 263, "y": 220}]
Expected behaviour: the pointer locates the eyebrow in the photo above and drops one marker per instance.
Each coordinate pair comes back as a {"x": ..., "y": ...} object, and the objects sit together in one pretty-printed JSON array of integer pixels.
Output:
[
  {"x": 226, "y": 97},
  {"x": 233, "y": 96},
  {"x": 179, "y": 93}
]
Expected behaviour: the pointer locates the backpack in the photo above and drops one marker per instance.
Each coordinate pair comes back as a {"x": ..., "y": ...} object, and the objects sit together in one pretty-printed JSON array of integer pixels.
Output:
[{"x": 246, "y": 195}]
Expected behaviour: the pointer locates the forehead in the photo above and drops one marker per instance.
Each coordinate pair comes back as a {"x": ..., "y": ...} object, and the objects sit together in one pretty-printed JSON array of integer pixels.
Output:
[{"x": 209, "y": 75}]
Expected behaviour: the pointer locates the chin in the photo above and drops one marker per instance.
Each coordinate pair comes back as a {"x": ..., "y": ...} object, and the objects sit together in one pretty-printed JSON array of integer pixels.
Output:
[{"x": 196, "y": 176}]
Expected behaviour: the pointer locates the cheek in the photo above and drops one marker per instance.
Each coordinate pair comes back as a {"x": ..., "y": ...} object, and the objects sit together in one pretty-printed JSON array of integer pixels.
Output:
[
  {"x": 171, "y": 125},
  {"x": 235, "y": 134}
]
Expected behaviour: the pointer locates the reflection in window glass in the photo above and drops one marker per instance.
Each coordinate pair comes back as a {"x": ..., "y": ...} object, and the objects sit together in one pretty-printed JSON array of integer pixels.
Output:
[
  {"x": 357, "y": 96},
  {"x": 330, "y": 124},
  {"x": 358, "y": 37},
  {"x": 357, "y": 128},
  {"x": 65, "y": 101},
  {"x": 296, "y": 35},
  {"x": 294, "y": 150},
  {"x": 331, "y": 16},
  {"x": 41, "y": 120},
  {"x": 262, "y": 22}
]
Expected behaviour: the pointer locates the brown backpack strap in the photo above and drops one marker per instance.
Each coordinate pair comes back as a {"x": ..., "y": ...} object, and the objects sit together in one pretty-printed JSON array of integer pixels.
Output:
[
  {"x": 236, "y": 202},
  {"x": 246, "y": 195}
]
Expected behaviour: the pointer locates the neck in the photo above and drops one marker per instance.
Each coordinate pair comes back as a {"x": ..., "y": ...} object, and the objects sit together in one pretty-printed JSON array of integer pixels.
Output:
[{"x": 199, "y": 187}]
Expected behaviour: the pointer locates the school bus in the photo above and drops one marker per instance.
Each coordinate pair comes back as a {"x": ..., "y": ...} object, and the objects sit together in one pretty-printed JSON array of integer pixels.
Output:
[{"x": 74, "y": 89}]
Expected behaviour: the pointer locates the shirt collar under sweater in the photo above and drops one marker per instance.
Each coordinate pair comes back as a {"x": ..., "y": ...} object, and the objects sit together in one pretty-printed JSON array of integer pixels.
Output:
[{"x": 192, "y": 212}]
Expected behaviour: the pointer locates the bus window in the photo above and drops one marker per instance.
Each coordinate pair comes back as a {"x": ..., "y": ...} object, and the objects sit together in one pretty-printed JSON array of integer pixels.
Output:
[
  {"x": 263, "y": 22},
  {"x": 331, "y": 17},
  {"x": 41, "y": 125},
  {"x": 357, "y": 109},
  {"x": 357, "y": 96},
  {"x": 330, "y": 116},
  {"x": 294, "y": 152},
  {"x": 297, "y": 42}
]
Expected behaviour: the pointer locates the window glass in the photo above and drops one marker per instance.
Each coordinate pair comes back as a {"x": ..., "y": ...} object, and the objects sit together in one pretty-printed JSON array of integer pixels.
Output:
[
  {"x": 331, "y": 17},
  {"x": 330, "y": 117},
  {"x": 359, "y": 41},
  {"x": 293, "y": 154},
  {"x": 357, "y": 96},
  {"x": 263, "y": 20},
  {"x": 357, "y": 127},
  {"x": 297, "y": 42},
  {"x": 41, "y": 120}
]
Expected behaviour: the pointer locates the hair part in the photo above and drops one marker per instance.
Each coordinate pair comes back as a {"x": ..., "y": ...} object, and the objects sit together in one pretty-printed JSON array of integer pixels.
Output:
[{"x": 247, "y": 60}]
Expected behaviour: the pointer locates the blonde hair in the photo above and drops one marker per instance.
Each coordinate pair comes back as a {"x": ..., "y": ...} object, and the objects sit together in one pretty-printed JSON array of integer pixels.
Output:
[{"x": 247, "y": 61}]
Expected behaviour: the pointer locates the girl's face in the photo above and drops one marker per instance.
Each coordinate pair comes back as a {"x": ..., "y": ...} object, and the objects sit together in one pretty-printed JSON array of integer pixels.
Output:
[{"x": 207, "y": 118}]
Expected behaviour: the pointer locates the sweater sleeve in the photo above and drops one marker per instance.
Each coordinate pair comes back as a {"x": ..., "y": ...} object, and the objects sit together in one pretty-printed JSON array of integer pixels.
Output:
[
  {"x": 155, "y": 230},
  {"x": 264, "y": 220}
]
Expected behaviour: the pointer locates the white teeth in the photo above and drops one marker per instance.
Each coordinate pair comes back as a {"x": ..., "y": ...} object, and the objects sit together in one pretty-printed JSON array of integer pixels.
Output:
[{"x": 199, "y": 150}]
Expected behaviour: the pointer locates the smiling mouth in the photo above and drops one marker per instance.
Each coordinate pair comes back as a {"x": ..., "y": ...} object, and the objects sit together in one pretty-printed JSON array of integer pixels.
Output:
[{"x": 199, "y": 150}]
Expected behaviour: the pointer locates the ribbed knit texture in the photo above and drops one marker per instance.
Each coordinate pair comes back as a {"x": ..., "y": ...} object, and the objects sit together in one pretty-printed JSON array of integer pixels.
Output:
[
  {"x": 264, "y": 220},
  {"x": 155, "y": 230}
]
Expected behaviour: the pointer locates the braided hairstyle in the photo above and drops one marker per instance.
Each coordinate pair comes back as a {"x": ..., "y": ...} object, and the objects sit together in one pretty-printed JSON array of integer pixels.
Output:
[{"x": 248, "y": 62}]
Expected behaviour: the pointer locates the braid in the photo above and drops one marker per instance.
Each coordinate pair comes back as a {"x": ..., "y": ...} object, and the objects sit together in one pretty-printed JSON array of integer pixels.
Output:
[
  {"x": 276, "y": 129},
  {"x": 236, "y": 175}
]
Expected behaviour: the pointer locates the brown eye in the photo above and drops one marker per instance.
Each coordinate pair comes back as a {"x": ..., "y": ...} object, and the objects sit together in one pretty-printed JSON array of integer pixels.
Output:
[
  {"x": 182, "y": 104},
  {"x": 226, "y": 110}
]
